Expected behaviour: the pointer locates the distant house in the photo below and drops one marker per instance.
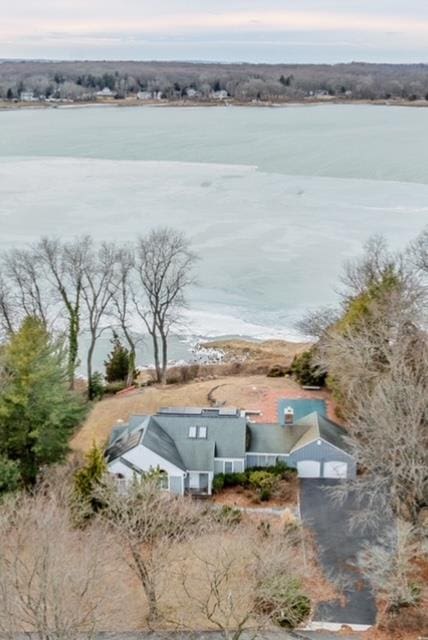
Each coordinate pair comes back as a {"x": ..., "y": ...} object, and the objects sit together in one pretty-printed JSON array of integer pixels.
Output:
[
  {"x": 27, "y": 96},
  {"x": 192, "y": 93},
  {"x": 144, "y": 95},
  {"x": 106, "y": 93},
  {"x": 219, "y": 95},
  {"x": 190, "y": 446}
]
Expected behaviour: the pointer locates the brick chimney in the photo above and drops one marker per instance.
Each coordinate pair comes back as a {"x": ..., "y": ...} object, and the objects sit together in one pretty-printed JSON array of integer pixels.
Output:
[{"x": 288, "y": 416}]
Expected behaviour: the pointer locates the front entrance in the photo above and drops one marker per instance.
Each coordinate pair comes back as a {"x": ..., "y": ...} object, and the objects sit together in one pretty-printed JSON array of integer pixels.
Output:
[
  {"x": 198, "y": 482},
  {"x": 193, "y": 480}
]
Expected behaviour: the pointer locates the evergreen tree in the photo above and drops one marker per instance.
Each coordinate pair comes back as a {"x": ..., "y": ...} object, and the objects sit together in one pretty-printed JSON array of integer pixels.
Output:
[
  {"x": 37, "y": 411},
  {"x": 117, "y": 365},
  {"x": 86, "y": 480},
  {"x": 10, "y": 476}
]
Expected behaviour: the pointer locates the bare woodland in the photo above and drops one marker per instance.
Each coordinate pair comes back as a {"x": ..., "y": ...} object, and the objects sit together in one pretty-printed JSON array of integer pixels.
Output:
[
  {"x": 148, "y": 560},
  {"x": 80, "y": 286},
  {"x": 244, "y": 82}
]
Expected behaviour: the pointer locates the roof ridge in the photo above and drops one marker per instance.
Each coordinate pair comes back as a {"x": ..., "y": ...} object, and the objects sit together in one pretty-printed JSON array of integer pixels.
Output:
[{"x": 171, "y": 440}]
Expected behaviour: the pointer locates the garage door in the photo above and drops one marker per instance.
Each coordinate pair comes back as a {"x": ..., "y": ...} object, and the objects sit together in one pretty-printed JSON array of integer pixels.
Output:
[
  {"x": 308, "y": 469},
  {"x": 335, "y": 469}
]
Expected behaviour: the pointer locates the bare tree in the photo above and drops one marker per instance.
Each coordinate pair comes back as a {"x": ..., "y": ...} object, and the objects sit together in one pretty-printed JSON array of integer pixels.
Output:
[
  {"x": 164, "y": 265},
  {"x": 122, "y": 308},
  {"x": 419, "y": 252},
  {"x": 64, "y": 266},
  {"x": 99, "y": 285},
  {"x": 28, "y": 292},
  {"x": 149, "y": 524},
  {"x": 53, "y": 577},
  {"x": 8, "y": 312},
  {"x": 242, "y": 581},
  {"x": 388, "y": 427},
  {"x": 390, "y": 567}
]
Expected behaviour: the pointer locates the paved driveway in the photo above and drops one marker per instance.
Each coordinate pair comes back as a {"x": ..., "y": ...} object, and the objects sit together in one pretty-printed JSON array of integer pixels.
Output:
[{"x": 338, "y": 549}]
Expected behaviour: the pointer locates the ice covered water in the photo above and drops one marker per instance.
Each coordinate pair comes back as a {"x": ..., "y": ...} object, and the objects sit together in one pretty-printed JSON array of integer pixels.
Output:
[{"x": 274, "y": 200}]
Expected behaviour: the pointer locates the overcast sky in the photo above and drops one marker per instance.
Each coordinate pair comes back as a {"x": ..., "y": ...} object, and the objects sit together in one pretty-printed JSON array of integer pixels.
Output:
[{"x": 216, "y": 30}]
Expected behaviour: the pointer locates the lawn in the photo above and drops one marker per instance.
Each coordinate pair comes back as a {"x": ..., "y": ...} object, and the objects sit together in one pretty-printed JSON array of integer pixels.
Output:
[{"x": 255, "y": 392}]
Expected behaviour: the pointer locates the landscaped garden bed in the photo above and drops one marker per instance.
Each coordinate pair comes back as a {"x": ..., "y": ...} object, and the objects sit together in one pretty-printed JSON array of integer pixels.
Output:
[{"x": 257, "y": 487}]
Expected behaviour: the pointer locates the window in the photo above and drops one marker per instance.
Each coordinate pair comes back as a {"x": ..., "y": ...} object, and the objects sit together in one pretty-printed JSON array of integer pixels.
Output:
[
  {"x": 192, "y": 432},
  {"x": 228, "y": 467},
  {"x": 202, "y": 432}
]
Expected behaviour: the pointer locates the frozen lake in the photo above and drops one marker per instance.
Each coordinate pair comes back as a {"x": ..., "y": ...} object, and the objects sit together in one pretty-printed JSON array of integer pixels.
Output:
[{"x": 273, "y": 199}]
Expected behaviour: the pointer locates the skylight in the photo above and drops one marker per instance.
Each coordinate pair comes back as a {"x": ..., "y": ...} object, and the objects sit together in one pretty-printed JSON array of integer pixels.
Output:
[{"x": 193, "y": 432}]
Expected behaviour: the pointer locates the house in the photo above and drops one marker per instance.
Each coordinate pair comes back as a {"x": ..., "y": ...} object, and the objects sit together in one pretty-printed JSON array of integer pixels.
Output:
[
  {"x": 192, "y": 93},
  {"x": 106, "y": 93},
  {"x": 27, "y": 96},
  {"x": 221, "y": 94},
  {"x": 189, "y": 446},
  {"x": 144, "y": 95}
]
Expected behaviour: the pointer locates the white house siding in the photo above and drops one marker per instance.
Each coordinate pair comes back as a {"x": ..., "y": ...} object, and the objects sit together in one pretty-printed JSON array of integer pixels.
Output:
[
  {"x": 147, "y": 460},
  {"x": 118, "y": 468},
  {"x": 322, "y": 453},
  {"x": 238, "y": 464}
]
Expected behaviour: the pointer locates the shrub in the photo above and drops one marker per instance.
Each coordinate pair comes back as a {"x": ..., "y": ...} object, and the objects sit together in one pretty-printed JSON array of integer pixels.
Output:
[
  {"x": 97, "y": 386},
  {"x": 115, "y": 387},
  {"x": 228, "y": 515},
  {"x": 218, "y": 483},
  {"x": 265, "y": 494},
  {"x": 10, "y": 475},
  {"x": 276, "y": 371},
  {"x": 235, "y": 479},
  {"x": 262, "y": 480},
  {"x": 304, "y": 370},
  {"x": 282, "y": 597}
]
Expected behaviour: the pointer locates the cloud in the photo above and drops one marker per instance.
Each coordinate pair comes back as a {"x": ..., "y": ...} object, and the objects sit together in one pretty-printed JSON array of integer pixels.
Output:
[{"x": 333, "y": 21}]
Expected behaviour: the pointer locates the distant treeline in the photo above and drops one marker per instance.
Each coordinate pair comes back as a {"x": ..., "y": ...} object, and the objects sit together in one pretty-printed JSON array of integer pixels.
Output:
[{"x": 198, "y": 81}]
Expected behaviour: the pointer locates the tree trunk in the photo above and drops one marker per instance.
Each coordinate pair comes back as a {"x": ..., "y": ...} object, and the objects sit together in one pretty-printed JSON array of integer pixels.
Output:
[
  {"x": 148, "y": 587},
  {"x": 132, "y": 357},
  {"x": 131, "y": 368},
  {"x": 164, "y": 358},
  {"x": 73, "y": 346},
  {"x": 156, "y": 357},
  {"x": 89, "y": 369}
]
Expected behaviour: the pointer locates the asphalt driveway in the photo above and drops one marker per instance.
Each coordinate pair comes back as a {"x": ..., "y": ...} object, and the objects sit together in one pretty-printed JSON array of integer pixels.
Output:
[{"x": 338, "y": 550}]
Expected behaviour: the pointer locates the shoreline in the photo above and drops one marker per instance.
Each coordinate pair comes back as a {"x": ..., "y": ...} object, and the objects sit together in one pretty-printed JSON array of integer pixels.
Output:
[{"x": 135, "y": 103}]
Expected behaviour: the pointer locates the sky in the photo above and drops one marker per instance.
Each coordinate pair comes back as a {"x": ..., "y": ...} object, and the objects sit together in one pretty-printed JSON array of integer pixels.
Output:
[{"x": 216, "y": 30}]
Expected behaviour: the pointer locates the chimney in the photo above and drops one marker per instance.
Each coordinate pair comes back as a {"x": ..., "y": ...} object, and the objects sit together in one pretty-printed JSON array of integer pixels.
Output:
[{"x": 288, "y": 415}]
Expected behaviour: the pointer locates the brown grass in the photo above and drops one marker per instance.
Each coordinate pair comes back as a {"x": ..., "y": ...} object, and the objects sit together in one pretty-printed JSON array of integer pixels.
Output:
[
  {"x": 246, "y": 392},
  {"x": 268, "y": 352}
]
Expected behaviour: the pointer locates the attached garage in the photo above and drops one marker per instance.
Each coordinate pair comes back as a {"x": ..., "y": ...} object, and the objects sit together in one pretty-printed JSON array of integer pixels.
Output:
[
  {"x": 335, "y": 469},
  {"x": 309, "y": 469}
]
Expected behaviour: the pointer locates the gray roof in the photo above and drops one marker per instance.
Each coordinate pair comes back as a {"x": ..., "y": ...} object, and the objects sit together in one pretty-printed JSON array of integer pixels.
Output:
[
  {"x": 273, "y": 438},
  {"x": 167, "y": 435},
  {"x": 321, "y": 427},
  {"x": 197, "y": 455},
  {"x": 227, "y": 433},
  {"x": 159, "y": 441}
]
